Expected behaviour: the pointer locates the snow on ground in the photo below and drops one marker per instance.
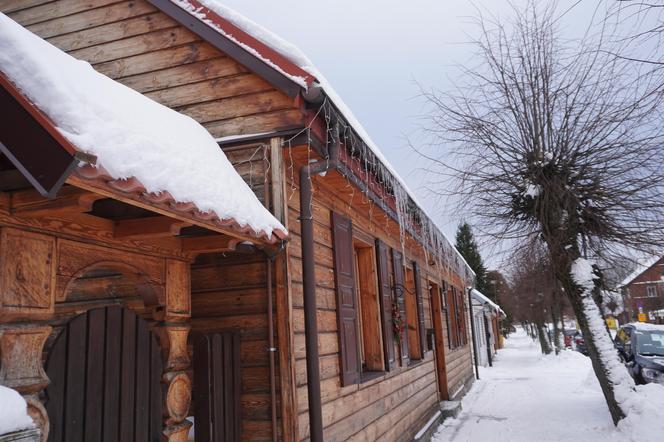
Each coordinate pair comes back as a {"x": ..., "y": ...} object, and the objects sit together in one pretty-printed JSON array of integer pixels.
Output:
[
  {"x": 131, "y": 135},
  {"x": 530, "y": 397},
  {"x": 13, "y": 412}
]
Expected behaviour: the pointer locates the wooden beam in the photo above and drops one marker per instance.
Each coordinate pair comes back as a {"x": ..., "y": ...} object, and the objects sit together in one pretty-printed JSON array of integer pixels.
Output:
[
  {"x": 135, "y": 200},
  {"x": 209, "y": 244},
  {"x": 151, "y": 227},
  {"x": 30, "y": 203}
]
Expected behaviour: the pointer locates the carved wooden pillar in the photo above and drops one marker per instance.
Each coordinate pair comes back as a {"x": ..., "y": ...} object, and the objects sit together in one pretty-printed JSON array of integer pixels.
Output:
[
  {"x": 27, "y": 289},
  {"x": 173, "y": 330}
]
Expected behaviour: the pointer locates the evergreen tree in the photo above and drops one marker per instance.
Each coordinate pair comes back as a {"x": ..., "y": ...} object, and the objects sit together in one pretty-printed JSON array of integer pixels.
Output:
[{"x": 466, "y": 245}]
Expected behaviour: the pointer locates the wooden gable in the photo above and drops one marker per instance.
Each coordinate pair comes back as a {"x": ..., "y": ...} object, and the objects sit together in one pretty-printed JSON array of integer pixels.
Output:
[{"x": 134, "y": 43}]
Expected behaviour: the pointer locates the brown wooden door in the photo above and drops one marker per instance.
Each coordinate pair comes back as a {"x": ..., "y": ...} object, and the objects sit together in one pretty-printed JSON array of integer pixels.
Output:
[
  {"x": 439, "y": 342},
  {"x": 105, "y": 369},
  {"x": 217, "y": 385}
]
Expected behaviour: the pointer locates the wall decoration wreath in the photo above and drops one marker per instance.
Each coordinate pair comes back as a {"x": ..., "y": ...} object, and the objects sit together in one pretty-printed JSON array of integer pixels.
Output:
[{"x": 397, "y": 322}]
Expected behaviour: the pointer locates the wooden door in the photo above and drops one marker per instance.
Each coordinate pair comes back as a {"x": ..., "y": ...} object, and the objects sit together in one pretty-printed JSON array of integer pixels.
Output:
[
  {"x": 217, "y": 384},
  {"x": 105, "y": 369},
  {"x": 439, "y": 343}
]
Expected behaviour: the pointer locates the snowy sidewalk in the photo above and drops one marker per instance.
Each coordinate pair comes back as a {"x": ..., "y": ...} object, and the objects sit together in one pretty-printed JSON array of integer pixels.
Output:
[{"x": 528, "y": 397}]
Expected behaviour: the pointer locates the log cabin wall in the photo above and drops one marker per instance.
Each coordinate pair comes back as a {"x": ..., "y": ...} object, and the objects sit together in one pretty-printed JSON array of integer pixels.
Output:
[
  {"x": 229, "y": 295},
  {"x": 137, "y": 45},
  {"x": 393, "y": 405}
]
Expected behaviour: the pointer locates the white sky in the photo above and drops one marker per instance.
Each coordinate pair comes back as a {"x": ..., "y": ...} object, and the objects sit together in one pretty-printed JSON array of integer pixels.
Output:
[{"x": 374, "y": 52}]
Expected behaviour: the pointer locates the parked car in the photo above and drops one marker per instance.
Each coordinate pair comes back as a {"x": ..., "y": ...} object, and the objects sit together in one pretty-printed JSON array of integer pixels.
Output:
[
  {"x": 569, "y": 337},
  {"x": 580, "y": 343},
  {"x": 641, "y": 348}
]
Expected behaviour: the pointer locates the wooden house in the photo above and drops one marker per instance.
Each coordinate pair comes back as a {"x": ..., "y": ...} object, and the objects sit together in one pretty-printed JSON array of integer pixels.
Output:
[
  {"x": 354, "y": 326},
  {"x": 642, "y": 293}
]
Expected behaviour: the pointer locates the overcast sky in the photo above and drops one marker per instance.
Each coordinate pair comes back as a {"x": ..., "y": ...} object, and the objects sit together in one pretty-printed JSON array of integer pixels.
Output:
[{"x": 374, "y": 52}]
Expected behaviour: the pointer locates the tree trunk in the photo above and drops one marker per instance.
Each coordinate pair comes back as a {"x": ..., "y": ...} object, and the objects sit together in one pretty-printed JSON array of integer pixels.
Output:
[
  {"x": 543, "y": 338},
  {"x": 596, "y": 338},
  {"x": 556, "y": 330}
]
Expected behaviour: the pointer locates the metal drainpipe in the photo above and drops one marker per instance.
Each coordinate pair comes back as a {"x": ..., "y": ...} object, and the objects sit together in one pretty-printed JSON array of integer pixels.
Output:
[
  {"x": 309, "y": 285},
  {"x": 272, "y": 349},
  {"x": 472, "y": 331}
]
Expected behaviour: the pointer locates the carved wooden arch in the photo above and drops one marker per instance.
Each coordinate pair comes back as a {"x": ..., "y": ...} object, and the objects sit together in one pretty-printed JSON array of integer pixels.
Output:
[{"x": 150, "y": 291}]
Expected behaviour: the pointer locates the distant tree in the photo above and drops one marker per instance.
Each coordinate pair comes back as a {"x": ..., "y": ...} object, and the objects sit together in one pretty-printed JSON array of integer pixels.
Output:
[
  {"x": 556, "y": 139},
  {"x": 467, "y": 246}
]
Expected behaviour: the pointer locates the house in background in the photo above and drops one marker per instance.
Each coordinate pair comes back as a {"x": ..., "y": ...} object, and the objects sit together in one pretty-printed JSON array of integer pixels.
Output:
[
  {"x": 643, "y": 291},
  {"x": 355, "y": 328},
  {"x": 486, "y": 319}
]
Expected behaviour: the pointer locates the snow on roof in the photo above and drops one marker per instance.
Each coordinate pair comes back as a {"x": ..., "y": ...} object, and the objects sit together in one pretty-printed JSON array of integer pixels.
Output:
[
  {"x": 205, "y": 10},
  {"x": 485, "y": 300},
  {"x": 130, "y": 135},
  {"x": 13, "y": 412},
  {"x": 642, "y": 265}
]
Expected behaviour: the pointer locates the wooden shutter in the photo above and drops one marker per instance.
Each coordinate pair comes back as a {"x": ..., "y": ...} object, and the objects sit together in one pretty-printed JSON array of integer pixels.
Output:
[
  {"x": 346, "y": 299},
  {"x": 462, "y": 318},
  {"x": 217, "y": 382},
  {"x": 385, "y": 293},
  {"x": 451, "y": 318},
  {"x": 444, "y": 302},
  {"x": 399, "y": 290},
  {"x": 420, "y": 309}
]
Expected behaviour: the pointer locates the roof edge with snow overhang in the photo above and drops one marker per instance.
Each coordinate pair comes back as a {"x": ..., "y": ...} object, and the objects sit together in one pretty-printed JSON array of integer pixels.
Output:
[
  {"x": 249, "y": 42},
  {"x": 482, "y": 298},
  {"x": 119, "y": 139},
  {"x": 642, "y": 265}
]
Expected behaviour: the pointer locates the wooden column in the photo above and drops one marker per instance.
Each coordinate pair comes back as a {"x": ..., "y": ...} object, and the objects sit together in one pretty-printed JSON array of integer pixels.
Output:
[
  {"x": 172, "y": 331},
  {"x": 27, "y": 290}
]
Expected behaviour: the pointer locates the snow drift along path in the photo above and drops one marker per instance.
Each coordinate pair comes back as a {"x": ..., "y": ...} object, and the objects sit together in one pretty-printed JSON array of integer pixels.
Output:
[{"x": 530, "y": 397}]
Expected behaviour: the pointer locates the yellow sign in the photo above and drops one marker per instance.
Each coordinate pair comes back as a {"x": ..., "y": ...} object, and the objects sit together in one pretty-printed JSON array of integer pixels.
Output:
[
  {"x": 611, "y": 323},
  {"x": 642, "y": 317}
]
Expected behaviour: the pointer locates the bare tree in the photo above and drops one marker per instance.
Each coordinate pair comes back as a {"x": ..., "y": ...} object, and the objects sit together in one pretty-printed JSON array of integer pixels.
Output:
[{"x": 560, "y": 141}]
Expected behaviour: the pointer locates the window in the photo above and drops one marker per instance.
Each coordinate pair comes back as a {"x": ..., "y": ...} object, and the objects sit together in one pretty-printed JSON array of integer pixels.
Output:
[
  {"x": 415, "y": 308},
  {"x": 369, "y": 322},
  {"x": 362, "y": 313},
  {"x": 413, "y": 321},
  {"x": 456, "y": 321},
  {"x": 651, "y": 291}
]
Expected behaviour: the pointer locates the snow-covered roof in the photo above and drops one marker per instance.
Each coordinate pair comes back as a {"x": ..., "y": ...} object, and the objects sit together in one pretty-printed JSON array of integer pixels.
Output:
[
  {"x": 485, "y": 300},
  {"x": 13, "y": 411},
  {"x": 289, "y": 60},
  {"x": 171, "y": 156},
  {"x": 642, "y": 265}
]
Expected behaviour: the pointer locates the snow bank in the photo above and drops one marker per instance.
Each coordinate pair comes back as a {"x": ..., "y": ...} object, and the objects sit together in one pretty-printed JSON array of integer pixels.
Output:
[
  {"x": 13, "y": 412},
  {"x": 131, "y": 135}
]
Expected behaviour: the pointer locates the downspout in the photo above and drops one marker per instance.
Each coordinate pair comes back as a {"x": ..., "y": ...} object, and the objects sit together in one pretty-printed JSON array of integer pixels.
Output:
[
  {"x": 472, "y": 331},
  {"x": 488, "y": 339},
  {"x": 309, "y": 285},
  {"x": 271, "y": 348}
]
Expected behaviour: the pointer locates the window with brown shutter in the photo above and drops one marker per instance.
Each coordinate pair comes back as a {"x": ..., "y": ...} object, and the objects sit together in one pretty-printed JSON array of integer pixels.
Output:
[
  {"x": 347, "y": 316},
  {"x": 453, "y": 336},
  {"x": 399, "y": 291},
  {"x": 386, "y": 297}
]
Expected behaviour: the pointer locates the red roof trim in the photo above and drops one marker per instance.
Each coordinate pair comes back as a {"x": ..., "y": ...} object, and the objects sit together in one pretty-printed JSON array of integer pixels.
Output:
[{"x": 247, "y": 39}]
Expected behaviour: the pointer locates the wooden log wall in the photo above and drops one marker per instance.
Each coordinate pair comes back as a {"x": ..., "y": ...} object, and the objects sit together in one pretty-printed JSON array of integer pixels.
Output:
[
  {"x": 133, "y": 43},
  {"x": 394, "y": 405},
  {"x": 229, "y": 294}
]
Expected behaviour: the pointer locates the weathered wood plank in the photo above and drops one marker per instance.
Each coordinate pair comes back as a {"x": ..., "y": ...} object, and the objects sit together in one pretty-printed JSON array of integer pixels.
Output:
[
  {"x": 182, "y": 74},
  {"x": 268, "y": 122},
  {"x": 90, "y": 18},
  {"x": 55, "y": 9},
  {"x": 111, "y": 32},
  {"x": 164, "y": 38},
  {"x": 156, "y": 60}
]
